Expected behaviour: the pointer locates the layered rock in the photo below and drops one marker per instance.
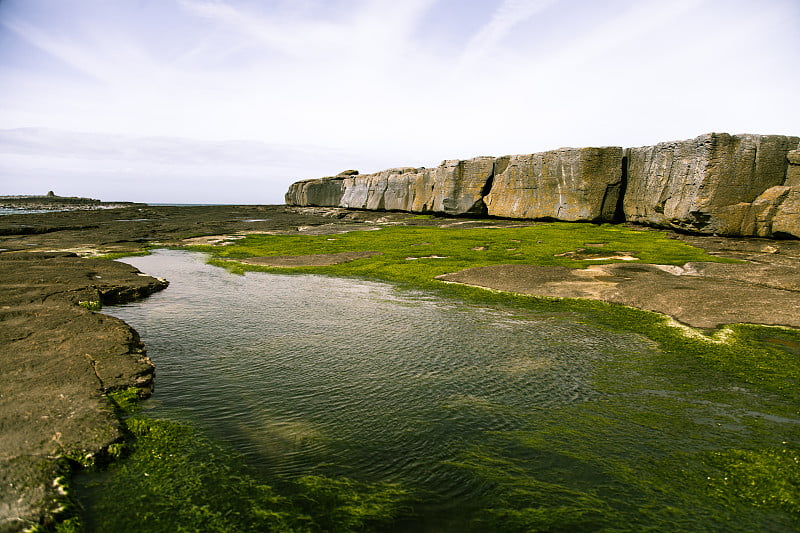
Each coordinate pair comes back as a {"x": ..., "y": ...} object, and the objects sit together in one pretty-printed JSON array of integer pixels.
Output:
[
  {"x": 455, "y": 188},
  {"x": 324, "y": 192},
  {"x": 715, "y": 183},
  {"x": 575, "y": 184},
  {"x": 568, "y": 184}
]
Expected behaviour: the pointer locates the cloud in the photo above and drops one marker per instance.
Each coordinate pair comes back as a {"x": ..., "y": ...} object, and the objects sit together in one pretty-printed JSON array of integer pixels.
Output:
[
  {"x": 293, "y": 37},
  {"x": 388, "y": 83},
  {"x": 506, "y": 17},
  {"x": 153, "y": 169}
]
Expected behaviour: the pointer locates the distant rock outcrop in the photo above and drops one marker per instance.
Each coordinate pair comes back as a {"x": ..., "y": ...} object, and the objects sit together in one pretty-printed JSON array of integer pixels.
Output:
[{"x": 746, "y": 185}]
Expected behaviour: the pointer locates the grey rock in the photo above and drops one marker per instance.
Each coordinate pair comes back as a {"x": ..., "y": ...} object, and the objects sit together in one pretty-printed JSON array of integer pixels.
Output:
[
  {"x": 710, "y": 184},
  {"x": 323, "y": 192},
  {"x": 737, "y": 185},
  {"x": 572, "y": 184}
]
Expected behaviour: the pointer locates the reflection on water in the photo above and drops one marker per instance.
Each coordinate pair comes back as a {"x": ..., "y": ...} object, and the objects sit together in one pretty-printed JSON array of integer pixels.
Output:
[
  {"x": 487, "y": 417},
  {"x": 310, "y": 373}
]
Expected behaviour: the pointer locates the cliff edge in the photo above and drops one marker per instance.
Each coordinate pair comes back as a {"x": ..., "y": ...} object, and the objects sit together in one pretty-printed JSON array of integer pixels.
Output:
[{"x": 734, "y": 185}]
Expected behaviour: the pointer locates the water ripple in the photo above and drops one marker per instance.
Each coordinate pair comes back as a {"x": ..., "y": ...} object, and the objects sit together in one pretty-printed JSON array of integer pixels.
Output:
[{"x": 303, "y": 371}]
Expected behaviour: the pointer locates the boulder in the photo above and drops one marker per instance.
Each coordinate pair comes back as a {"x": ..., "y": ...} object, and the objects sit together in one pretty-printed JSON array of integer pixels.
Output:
[
  {"x": 322, "y": 192},
  {"x": 572, "y": 184},
  {"x": 711, "y": 184}
]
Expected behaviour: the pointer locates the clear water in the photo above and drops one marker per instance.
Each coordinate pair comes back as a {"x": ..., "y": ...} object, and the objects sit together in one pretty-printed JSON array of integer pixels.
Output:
[
  {"x": 302, "y": 371},
  {"x": 21, "y": 211}
]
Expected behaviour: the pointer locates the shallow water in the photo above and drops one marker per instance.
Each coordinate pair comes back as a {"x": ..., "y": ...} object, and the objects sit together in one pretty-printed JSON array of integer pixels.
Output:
[
  {"x": 317, "y": 375},
  {"x": 302, "y": 370}
]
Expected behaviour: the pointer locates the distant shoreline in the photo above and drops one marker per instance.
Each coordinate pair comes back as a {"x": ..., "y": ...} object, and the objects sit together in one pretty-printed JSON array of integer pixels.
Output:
[{"x": 12, "y": 205}]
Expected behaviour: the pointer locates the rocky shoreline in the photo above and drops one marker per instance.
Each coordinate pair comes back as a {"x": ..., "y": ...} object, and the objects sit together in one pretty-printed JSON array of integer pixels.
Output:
[
  {"x": 60, "y": 358},
  {"x": 51, "y": 202},
  {"x": 59, "y": 361}
]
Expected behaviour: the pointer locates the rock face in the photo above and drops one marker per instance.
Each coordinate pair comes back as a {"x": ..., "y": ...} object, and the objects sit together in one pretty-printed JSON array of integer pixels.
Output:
[
  {"x": 568, "y": 184},
  {"x": 575, "y": 184},
  {"x": 737, "y": 185},
  {"x": 715, "y": 183}
]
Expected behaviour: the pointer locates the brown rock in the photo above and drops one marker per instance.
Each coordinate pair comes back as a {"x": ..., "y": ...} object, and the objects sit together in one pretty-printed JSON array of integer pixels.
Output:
[
  {"x": 793, "y": 170},
  {"x": 707, "y": 184},
  {"x": 58, "y": 361},
  {"x": 572, "y": 184}
]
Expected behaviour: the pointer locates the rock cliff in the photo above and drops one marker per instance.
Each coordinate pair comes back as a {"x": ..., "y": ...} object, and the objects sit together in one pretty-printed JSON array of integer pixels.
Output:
[
  {"x": 717, "y": 183},
  {"x": 575, "y": 184}
]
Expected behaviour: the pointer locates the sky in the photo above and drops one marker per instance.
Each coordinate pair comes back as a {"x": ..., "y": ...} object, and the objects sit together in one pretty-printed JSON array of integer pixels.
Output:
[{"x": 230, "y": 101}]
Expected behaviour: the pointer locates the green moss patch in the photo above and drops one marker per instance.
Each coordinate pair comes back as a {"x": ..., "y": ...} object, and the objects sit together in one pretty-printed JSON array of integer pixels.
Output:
[
  {"x": 416, "y": 255},
  {"x": 176, "y": 479}
]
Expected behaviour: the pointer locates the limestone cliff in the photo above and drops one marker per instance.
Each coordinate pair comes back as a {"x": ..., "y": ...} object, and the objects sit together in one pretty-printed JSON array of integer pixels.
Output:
[
  {"x": 575, "y": 184},
  {"x": 715, "y": 183},
  {"x": 745, "y": 185}
]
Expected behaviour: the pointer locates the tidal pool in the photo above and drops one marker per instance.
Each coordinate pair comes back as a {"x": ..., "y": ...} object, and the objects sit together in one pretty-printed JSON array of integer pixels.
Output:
[{"x": 488, "y": 417}]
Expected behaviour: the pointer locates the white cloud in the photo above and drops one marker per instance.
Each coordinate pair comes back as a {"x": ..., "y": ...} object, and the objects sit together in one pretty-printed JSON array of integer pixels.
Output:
[
  {"x": 508, "y": 15},
  {"x": 373, "y": 78}
]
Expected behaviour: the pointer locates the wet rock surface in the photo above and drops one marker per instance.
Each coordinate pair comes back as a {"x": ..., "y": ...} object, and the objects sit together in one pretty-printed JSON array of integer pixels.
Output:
[
  {"x": 58, "y": 360},
  {"x": 765, "y": 289}
]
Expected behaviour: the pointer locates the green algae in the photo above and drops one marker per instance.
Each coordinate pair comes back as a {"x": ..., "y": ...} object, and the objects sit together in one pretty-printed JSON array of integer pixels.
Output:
[
  {"x": 709, "y": 399},
  {"x": 416, "y": 255},
  {"x": 176, "y": 479},
  {"x": 125, "y": 401},
  {"x": 91, "y": 305},
  {"x": 699, "y": 432},
  {"x": 172, "y": 477}
]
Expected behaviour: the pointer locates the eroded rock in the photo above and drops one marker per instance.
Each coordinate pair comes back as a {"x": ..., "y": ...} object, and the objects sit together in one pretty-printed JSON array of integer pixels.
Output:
[
  {"x": 58, "y": 361},
  {"x": 714, "y": 183},
  {"x": 571, "y": 184}
]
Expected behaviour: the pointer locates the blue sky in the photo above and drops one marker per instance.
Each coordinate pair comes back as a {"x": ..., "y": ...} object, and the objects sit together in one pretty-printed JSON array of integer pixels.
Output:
[{"x": 231, "y": 100}]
